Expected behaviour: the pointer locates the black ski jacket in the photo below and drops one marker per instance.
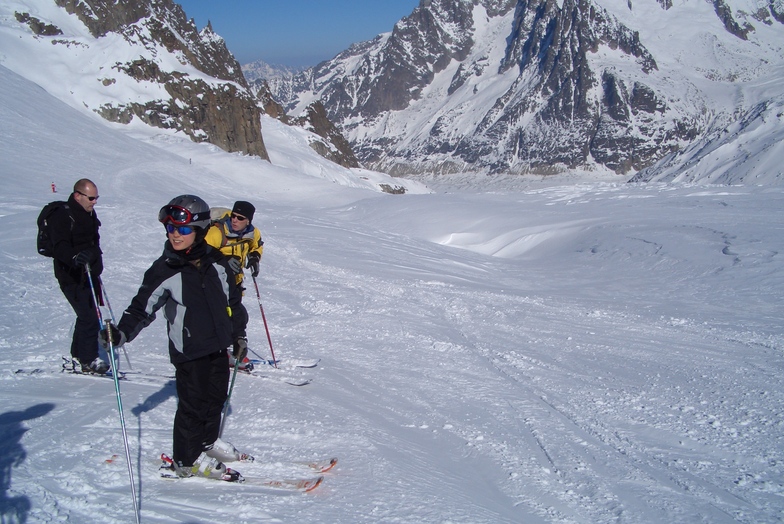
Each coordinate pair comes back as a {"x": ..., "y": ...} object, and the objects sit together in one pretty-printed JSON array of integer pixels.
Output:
[
  {"x": 200, "y": 300},
  {"x": 73, "y": 230}
]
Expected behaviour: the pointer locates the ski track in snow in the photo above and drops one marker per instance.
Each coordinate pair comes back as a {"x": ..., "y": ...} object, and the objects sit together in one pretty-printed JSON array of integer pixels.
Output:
[{"x": 593, "y": 353}]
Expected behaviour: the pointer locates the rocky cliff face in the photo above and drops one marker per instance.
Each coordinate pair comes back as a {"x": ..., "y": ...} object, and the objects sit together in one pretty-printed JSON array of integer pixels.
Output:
[
  {"x": 206, "y": 95},
  {"x": 537, "y": 86},
  {"x": 334, "y": 145}
]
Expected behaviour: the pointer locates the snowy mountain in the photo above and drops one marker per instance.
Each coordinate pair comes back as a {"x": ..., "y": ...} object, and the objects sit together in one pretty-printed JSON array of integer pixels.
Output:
[
  {"x": 275, "y": 80},
  {"x": 506, "y": 86},
  {"x": 134, "y": 60},
  {"x": 756, "y": 139},
  {"x": 277, "y": 77},
  {"x": 598, "y": 353},
  {"x": 261, "y": 70}
]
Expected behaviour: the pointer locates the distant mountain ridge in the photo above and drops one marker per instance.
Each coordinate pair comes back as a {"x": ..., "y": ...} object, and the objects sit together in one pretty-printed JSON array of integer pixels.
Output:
[
  {"x": 512, "y": 86},
  {"x": 274, "y": 78},
  {"x": 261, "y": 70}
]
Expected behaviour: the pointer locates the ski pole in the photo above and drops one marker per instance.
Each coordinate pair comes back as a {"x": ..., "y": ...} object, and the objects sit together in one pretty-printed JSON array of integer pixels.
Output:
[
  {"x": 260, "y": 357},
  {"x": 228, "y": 398},
  {"x": 117, "y": 390},
  {"x": 264, "y": 318},
  {"x": 114, "y": 319}
]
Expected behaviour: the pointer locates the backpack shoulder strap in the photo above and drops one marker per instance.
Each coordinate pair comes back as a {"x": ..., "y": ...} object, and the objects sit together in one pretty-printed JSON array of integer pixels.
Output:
[
  {"x": 70, "y": 215},
  {"x": 219, "y": 231}
]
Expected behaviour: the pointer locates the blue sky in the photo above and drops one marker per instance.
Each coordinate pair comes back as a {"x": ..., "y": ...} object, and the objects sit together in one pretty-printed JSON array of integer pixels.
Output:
[{"x": 295, "y": 32}]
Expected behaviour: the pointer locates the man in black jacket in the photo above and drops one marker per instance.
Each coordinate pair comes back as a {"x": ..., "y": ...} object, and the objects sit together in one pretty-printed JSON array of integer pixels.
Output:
[
  {"x": 76, "y": 244},
  {"x": 194, "y": 287}
]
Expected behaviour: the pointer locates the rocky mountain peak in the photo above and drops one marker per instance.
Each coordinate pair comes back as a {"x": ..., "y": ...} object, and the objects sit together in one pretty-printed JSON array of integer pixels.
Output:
[{"x": 538, "y": 86}]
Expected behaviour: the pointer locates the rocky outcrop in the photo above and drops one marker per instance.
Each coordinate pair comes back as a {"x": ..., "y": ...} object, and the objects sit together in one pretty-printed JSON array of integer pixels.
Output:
[
  {"x": 222, "y": 112},
  {"x": 37, "y": 26},
  {"x": 335, "y": 147},
  {"x": 724, "y": 12},
  {"x": 268, "y": 103},
  {"x": 777, "y": 10}
]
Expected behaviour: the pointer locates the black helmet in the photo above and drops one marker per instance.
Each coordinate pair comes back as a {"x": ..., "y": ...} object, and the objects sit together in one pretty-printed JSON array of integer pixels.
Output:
[{"x": 185, "y": 210}]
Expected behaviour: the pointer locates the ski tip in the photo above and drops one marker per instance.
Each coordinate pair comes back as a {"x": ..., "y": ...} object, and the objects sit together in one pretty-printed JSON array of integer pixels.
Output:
[
  {"x": 331, "y": 463},
  {"x": 312, "y": 484}
]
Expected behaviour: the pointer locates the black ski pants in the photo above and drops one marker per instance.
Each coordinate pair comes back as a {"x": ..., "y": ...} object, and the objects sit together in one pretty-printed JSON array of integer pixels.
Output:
[
  {"x": 84, "y": 344},
  {"x": 202, "y": 388}
]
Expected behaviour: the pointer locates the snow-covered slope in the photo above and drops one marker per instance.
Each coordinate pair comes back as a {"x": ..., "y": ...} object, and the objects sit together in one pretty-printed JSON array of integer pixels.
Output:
[{"x": 586, "y": 353}]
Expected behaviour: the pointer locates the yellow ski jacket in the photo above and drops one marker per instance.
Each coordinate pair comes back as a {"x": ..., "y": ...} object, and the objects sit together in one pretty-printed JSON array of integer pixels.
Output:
[{"x": 235, "y": 244}]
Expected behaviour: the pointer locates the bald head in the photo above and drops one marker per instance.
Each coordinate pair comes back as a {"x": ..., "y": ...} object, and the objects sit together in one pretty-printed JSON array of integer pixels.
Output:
[{"x": 86, "y": 194}]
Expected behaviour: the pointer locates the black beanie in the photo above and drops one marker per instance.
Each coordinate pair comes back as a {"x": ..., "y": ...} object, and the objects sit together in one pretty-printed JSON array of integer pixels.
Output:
[{"x": 245, "y": 209}]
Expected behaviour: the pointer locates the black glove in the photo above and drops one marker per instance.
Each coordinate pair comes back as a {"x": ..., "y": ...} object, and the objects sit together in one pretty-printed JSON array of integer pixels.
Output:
[
  {"x": 253, "y": 263},
  {"x": 235, "y": 265},
  {"x": 87, "y": 256},
  {"x": 240, "y": 349},
  {"x": 118, "y": 337}
]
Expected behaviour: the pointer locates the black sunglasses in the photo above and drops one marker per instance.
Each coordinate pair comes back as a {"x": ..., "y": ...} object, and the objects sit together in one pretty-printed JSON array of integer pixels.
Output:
[
  {"x": 90, "y": 198},
  {"x": 238, "y": 217}
]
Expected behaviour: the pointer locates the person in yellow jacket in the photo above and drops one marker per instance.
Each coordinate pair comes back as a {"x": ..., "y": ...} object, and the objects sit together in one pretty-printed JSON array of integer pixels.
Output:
[{"x": 235, "y": 236}]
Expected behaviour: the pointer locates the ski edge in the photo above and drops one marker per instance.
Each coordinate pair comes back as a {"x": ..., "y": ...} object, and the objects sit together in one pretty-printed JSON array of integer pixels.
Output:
[
  {"x": 293, "y": 363},
  {"x": 286, "y": 380},
  {"x": 302, "y": 485},
  {"x": 321, "y": 466}
]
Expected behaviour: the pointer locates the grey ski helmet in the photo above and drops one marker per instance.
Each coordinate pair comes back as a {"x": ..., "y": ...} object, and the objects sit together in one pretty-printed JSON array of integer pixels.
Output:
[{"x": 186, "y": 210}]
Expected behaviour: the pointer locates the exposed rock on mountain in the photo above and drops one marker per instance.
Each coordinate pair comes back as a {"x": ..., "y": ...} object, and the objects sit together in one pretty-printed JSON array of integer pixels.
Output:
[
  {"x": 268, "y": 104},
  {"x": 36, "y": 26},
  {"x": 541, "y": 86},
  {"x": 756, "y": 139},
  {"x": 334, "y": 147},
  {"x": 204, "y": 92}
]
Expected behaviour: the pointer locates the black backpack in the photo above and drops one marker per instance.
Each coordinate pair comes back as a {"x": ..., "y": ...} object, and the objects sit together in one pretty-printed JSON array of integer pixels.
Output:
[{"x": 45, "y": 245}]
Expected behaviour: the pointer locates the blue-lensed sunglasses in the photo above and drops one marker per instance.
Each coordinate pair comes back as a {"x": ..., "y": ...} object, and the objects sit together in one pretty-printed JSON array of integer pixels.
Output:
[{"x": 184, "y": 230}]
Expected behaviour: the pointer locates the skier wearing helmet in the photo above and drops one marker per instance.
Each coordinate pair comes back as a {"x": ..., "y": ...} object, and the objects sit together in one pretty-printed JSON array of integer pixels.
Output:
[{"x": 194, "y": 287}]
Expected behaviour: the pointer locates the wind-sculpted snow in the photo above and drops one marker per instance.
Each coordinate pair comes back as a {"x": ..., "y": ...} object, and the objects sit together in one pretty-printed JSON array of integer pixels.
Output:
[{"x": 590, "y": 352}]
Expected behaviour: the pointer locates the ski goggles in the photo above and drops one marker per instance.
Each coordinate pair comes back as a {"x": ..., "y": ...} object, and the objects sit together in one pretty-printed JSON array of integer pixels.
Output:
[
  {"x": 184, "y": 230},
  {"x": 179, "y": 215}
]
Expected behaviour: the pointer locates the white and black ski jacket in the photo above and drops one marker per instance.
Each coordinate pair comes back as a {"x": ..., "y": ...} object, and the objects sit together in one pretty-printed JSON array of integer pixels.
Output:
[{"x": 200, "y": 300}]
